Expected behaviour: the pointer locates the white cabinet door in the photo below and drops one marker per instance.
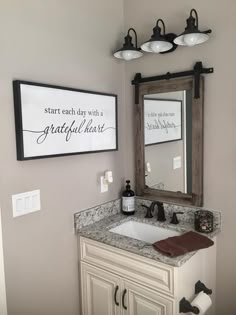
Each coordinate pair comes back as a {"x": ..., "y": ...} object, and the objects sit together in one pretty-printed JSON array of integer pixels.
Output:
[
  {"x": 100, "y": 291},
  {"x": 142, "y": 301}
]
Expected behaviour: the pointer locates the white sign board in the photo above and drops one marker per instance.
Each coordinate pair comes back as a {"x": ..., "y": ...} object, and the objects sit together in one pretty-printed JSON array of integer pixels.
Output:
[
  {"x": 54, "y": 121},
  {"x": 162, "y": 121}
]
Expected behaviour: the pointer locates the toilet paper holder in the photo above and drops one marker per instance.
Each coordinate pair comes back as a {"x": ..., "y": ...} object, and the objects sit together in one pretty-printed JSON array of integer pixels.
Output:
[
  {"x": 186, "y": 307},
  {"x": 199, "y": 287}
]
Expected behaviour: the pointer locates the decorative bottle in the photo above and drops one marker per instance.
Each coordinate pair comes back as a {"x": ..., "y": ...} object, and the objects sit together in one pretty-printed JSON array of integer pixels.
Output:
[{"x": 128, "y": 200}]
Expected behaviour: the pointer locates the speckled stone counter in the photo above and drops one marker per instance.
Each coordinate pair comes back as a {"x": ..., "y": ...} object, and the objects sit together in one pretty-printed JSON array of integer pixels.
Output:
[{"x": 99, "y": 231}]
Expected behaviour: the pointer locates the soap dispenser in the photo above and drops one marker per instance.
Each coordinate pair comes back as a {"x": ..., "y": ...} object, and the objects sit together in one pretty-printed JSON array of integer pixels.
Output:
[{"x": 128, "y": 200}]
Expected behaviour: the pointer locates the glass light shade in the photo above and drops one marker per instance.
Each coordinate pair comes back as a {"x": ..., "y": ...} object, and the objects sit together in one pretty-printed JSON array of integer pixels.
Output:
[
  {"x": 156, "y": 46},
  {"x": 129, "y": 51},
  {"x": 191, "y": 39},
  {"x": 128, "y": 54}
]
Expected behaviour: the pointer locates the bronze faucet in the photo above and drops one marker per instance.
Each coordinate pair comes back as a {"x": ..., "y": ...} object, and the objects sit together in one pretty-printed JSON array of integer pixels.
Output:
[{"x": 160, "y": 211}]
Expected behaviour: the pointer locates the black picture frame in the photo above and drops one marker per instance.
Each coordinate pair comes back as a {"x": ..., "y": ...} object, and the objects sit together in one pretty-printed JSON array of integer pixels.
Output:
[
  {"x": 181, "y": 118},
  {"x": 20, "y": 120}
]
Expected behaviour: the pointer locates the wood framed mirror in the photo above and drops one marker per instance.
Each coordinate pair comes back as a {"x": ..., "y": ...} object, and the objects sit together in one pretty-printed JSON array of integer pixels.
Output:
[{"x": 169, "y": 141}]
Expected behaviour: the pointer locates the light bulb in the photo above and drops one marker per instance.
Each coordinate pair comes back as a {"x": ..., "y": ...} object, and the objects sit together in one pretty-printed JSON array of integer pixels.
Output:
[
  {"x": 156, "y": 46},
  {"x": 160, "y": 46},
  {"x": 192, "y": 39},
  {"x": 127, "y": 54},
  {"x": 130, "y": 54}
]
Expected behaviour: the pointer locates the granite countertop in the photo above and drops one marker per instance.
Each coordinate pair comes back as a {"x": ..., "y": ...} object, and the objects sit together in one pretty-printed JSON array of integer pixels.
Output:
[{"x": 99, "y": 231}]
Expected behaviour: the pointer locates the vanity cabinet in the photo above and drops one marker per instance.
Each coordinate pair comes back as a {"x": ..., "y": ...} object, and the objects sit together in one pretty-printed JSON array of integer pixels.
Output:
[
  {"x": 106, "y": 294},
  {"x": 117, "y": 282}
]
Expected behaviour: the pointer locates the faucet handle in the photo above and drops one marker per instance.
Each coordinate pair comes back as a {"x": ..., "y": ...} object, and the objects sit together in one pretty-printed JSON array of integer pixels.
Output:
[
  {"x": 149, "y": 212},
  {"x": 174, "y": 219},
  {"x": 160, "y": 211}
]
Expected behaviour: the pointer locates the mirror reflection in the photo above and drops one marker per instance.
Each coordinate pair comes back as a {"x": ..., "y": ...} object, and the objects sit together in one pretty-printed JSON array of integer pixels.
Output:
[{"x": 168, "y": 141}]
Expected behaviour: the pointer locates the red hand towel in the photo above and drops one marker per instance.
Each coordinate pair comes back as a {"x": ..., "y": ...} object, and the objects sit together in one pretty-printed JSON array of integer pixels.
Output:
[{"x": 180, "y": 245}]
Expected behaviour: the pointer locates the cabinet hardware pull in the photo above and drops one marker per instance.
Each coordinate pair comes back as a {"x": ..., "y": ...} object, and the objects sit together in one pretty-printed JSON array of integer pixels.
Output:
[
  {"x": 115, "y": 295},
  {"x": 123, "y": 299}
]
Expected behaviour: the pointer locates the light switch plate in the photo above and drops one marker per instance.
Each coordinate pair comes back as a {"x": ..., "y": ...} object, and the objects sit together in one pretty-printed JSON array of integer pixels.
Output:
[
  {"x": 26, "y": 203},
  {"x": 176, "y": 162}
]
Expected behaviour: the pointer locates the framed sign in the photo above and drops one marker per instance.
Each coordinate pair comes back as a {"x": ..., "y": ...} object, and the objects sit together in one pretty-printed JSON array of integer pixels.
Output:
[
  {"x": 162, "y": 120},
  {"x": 56, "y": 121}
]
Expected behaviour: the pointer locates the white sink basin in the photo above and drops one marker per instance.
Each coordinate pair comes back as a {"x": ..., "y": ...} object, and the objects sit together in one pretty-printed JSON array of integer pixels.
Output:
[{"x": 143, "y": 232}]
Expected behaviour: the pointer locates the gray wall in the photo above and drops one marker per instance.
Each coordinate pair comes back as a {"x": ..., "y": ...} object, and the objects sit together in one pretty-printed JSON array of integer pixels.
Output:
[
  {"x": 62, "y": 42},
  {"x": 3, "y": 301},
  {"x": 219, "y": 111}
]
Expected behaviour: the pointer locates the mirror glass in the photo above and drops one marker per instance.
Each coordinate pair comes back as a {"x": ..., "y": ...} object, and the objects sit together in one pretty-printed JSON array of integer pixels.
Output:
[{"x": 168, "y": 141}]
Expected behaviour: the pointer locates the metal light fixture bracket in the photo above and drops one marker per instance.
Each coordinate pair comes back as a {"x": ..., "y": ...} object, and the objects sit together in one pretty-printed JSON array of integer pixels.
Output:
[
  {"x": 128, "y": 38},
  {"x": 192, "y": 23}
]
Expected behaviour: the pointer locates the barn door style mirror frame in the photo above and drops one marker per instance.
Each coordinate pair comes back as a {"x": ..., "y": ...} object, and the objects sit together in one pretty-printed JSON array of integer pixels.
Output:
[{"x": 187, "y": 81}]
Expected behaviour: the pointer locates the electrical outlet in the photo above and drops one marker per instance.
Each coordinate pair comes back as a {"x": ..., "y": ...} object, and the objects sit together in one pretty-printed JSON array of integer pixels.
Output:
[
  {"x": 26, "y": 203},
  {"x": 104, "y": 185}
]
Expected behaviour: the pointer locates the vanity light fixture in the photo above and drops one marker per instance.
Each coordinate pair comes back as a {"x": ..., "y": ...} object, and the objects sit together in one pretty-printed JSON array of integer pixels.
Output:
[
  {"x": 192, "y": 36},
  {"x": 129, "y": 51},
  {"x": 163, "y": 43},
  {"x": 158, "y": 43}
]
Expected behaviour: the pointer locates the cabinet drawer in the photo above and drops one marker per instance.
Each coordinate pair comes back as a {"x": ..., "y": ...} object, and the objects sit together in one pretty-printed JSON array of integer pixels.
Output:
[{"x": 145, "y": 271}]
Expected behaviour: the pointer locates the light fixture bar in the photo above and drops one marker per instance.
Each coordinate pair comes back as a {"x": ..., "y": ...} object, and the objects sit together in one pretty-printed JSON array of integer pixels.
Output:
[{"x": 163, "y": 43}]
